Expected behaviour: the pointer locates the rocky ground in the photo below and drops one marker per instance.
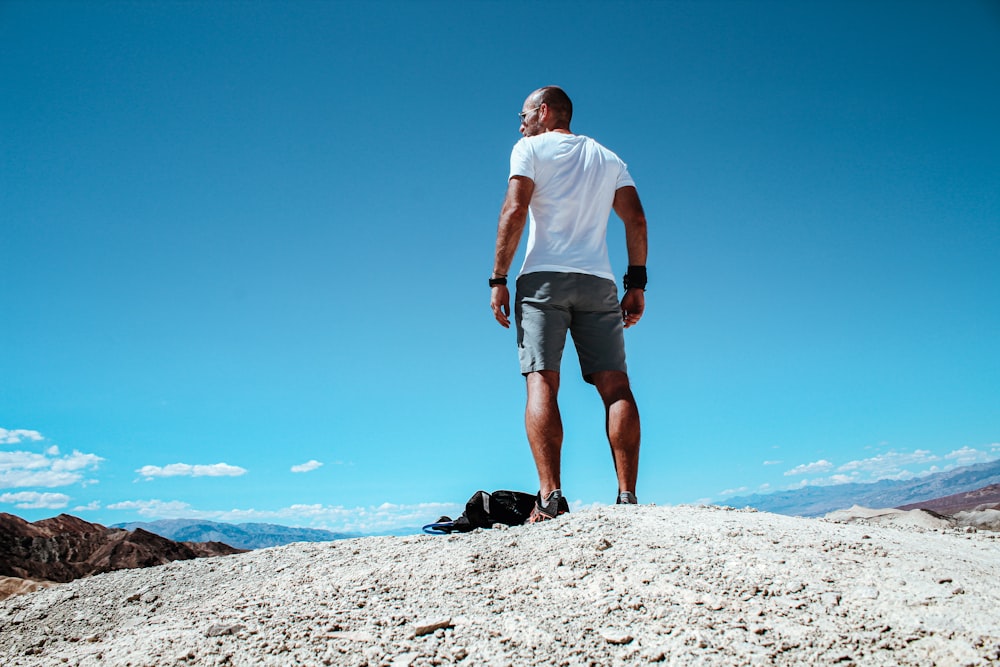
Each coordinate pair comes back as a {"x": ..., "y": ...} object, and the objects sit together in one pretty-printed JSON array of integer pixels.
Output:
[{"x": 612, "y": 586}]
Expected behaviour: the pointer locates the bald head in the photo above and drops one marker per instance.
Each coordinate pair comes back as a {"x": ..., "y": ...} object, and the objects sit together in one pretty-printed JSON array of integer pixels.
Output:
[{"x": 558, "y": 101}]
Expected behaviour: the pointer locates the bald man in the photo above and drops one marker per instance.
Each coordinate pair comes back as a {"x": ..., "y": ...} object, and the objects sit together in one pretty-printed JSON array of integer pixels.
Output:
[{"x": 565, "y": 186}]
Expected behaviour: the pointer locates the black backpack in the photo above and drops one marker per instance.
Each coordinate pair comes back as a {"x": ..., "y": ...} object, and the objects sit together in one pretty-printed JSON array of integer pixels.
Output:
[{"x": 486, "y": 509}]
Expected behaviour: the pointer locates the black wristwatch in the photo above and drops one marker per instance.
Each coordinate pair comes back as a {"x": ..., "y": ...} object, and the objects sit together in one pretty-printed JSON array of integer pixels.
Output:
[{"x": 498, "y": 281}]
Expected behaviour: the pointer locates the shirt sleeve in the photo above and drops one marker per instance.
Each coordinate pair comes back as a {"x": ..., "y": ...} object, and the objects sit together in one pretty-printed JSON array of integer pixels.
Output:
[
  {"x": 624, "y": 178},
  {"x": 521, "y": 162}
]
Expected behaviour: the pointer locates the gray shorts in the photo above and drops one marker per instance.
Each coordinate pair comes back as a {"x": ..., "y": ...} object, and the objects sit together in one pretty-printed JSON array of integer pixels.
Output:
[{"x": 547, "y": 304}]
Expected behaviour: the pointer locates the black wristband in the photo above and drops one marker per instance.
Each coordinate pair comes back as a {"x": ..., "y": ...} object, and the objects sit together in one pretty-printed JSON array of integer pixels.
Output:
[
  {"x": 635, "y": 278},
  {"x": 498, "y": 281}
]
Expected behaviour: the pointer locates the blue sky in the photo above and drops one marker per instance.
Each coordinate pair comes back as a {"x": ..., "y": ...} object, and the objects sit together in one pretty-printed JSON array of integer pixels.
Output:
[{"x": 245, "y": 249}]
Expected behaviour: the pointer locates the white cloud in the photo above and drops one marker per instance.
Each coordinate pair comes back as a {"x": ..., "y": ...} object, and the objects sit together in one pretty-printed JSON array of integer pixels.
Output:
[
  {"x": 20, "y": 469},
  {"x": 387, "y": 516},
  {"x": 773, "y": 463},
  {"x": 92, "y": 506},
  {"x": 308, "y": 466},
  {"x": 896, "y": 466},
  {"x": 889, "y": 465},
  {"x": 188, "y": 470},
  {"x": 892, "y": 465},
  {"x": 159, "y": 509},
  {"x": 809, "y": 468},
  {"x": 15, "y": 436},
  {"x": 839, "y": 479},
  {"x": 967, "y": 456},
  {"x": 23, "y": 460},
  {"x": 350, "y": 519},
  {"x": 35, "y": 500},
  {"x": 19, "y": 479},
  {"x": 76, "y": 461}
]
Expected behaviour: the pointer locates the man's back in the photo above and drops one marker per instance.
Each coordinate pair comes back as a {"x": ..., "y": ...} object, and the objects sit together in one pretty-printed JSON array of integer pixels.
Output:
[{"x": 575, "y": 179}]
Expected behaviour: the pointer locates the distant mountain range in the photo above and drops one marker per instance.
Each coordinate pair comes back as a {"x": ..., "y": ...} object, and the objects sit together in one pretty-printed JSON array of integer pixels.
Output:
[
  {"x": 241, "y": 536},
  {"x": 811, "y": 501}
]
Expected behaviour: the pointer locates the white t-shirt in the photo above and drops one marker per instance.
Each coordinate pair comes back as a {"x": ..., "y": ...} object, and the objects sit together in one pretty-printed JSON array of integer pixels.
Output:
[{"x": 575, "y": 182}]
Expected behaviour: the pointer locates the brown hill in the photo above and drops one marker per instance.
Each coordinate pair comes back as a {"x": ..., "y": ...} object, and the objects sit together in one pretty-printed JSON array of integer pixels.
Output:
[
  {"x": 987, "y": 497},
  {"x": 66, "y": 547}
]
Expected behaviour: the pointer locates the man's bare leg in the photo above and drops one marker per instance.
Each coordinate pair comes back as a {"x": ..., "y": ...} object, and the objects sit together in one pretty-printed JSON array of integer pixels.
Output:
[
  {"x": 622, "y": 425},
  {"x": 544, "y": 426}
]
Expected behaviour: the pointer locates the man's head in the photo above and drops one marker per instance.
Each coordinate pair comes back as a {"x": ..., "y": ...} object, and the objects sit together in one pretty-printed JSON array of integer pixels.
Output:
[{"x": 546, "y": 109}]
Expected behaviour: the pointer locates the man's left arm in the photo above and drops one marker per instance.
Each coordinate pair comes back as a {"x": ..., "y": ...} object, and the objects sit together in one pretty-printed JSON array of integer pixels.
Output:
[{"x": 628, "y": 207}]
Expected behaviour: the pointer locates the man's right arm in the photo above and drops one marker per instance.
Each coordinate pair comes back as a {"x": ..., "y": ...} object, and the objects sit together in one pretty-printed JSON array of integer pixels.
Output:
[{"x": 513, "y": 215}]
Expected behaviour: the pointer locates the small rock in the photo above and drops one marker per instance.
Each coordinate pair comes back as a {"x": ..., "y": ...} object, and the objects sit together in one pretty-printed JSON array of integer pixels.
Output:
[
  {"x": 866, "y": 593},
  {"x": 404, "y": 659},
  {"x": 603, "y": 545},
  {"x": 354, "y": 636},
  {"x": 429, "y": 626},
  {"x": 657, "y": 654},
  {"x": 615, "y": 636},
  {"x": 830, "y": 599},
  {"x": 222, "y": 629}
]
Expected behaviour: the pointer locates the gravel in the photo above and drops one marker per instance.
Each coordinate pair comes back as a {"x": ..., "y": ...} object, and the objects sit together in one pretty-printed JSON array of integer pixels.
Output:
[{"x": 615, "y": 585}]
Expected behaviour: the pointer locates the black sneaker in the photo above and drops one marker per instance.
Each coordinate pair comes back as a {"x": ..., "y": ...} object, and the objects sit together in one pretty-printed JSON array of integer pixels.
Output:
[
  {"x": 627, "y": 498},
  {"x": 553, "y": 505}
]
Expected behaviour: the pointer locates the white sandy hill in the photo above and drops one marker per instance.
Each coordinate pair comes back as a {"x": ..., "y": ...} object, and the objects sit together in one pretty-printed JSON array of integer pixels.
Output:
[
  {"x": 612, "y": 586},
  {"x": 978, "y": 519},
  {"x": 919, "y": 519}
]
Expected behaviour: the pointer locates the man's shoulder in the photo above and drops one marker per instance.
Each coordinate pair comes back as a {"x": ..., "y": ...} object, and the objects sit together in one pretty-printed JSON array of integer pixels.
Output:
[
  {"x": 588, "y": 141},
  {"x": 552, "y": 143},
  {"x": 555, "y": 144},
  {"x": 599, "y": 145},
  {"x": 554, "y": 138}
]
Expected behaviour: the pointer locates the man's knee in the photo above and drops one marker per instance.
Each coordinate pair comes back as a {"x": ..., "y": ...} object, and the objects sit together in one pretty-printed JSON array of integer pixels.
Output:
[
  {"x": 542, "y": 382},
  {"x": 613, "y": 386}
]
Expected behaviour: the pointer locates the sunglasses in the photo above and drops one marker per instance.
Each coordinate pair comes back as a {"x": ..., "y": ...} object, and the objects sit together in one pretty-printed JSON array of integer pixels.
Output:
[{"x": 524, "y": 114}]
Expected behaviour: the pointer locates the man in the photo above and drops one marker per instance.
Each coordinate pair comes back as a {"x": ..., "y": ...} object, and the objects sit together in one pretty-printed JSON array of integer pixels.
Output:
[{"x": 567, "y": 184}]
